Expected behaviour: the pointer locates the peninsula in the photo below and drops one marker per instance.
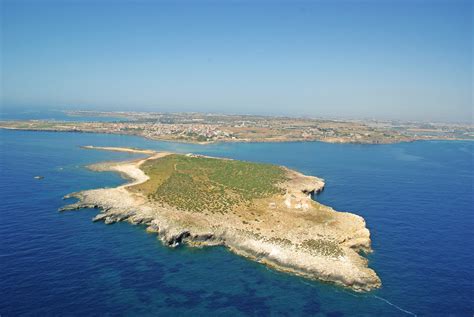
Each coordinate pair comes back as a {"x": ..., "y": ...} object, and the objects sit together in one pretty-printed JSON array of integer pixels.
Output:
[
  {"x": 211, "y": 128},
  {"x": 260, "y": 211}
]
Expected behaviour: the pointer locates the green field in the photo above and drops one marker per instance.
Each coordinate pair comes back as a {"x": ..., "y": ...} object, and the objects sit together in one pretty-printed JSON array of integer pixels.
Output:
[{"x": 203, "y": 184}]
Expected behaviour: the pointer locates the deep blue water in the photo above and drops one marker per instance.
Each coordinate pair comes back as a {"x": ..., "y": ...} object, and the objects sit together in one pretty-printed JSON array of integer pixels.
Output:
[{"x": 417, "y": 199}]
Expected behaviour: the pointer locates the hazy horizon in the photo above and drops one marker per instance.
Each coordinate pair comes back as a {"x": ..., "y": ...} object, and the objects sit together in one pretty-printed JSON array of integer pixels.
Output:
[
  {"x": 386, "y": 60},
  {"x": 7, "y": 112}
]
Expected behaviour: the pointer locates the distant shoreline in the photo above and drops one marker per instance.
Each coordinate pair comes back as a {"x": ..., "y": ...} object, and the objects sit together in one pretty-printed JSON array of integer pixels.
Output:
[{"x": 240, "y": 140}]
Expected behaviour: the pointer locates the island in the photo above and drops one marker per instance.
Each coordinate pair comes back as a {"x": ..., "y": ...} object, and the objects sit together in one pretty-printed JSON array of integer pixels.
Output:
[{"x": 260, "y": 211}]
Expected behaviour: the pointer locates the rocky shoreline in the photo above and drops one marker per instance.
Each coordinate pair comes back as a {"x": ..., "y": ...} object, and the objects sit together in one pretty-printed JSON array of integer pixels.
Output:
[{"x": 291, "y": 233}]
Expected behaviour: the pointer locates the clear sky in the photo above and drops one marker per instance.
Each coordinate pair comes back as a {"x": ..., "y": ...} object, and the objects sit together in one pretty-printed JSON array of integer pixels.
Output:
[{"x": 382, "y": 59}]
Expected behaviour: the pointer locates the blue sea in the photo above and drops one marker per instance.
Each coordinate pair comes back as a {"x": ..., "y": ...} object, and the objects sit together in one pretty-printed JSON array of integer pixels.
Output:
[
  {"x": 417, "y": 199},
  {"x": 10, "y": 113}
]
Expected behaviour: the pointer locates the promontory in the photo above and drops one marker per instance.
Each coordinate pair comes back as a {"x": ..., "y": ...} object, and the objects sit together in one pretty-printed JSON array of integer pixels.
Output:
[{"x": 260, "y": 211}]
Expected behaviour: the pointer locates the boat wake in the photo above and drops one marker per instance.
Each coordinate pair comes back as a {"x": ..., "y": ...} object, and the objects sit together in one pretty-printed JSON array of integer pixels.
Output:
[
  {"x": 374, "y": 296},
  {"x": 396, "y": 306}
]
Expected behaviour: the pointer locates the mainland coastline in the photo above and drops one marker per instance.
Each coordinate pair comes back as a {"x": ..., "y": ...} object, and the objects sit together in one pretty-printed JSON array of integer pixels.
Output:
[{"x": 204, "y": 128}]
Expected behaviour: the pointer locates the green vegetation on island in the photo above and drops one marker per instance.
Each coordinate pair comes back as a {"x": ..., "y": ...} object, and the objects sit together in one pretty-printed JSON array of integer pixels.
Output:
[
  {"x": 322, "y": 247},
  {"x": 202, "y": 184}
]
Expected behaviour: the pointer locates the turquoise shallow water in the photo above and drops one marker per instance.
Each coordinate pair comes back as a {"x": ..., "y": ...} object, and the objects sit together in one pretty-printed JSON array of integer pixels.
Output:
[{"x": 417, "y": 199}]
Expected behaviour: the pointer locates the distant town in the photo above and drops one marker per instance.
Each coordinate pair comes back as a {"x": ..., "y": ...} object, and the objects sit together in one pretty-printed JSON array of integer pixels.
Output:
[{"x": 208, "y": 128}]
